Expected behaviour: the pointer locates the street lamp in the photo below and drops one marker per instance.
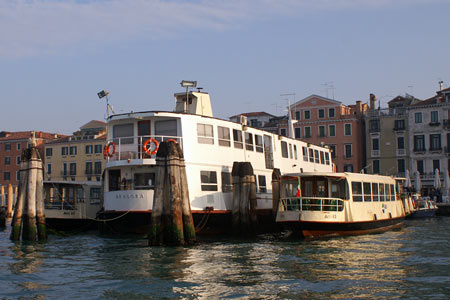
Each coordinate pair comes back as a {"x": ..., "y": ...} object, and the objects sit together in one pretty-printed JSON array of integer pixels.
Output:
[
  {"x": 103, "y": 94},
  {"x": 187, "y": 84}
]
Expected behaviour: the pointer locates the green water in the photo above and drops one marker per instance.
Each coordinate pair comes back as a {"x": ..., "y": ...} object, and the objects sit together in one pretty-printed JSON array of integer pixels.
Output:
[{"x": 412, "y": 263}]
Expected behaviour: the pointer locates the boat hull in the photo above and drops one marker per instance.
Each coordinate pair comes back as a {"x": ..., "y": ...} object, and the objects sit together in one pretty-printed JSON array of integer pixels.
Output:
[
  {"x": 206, "y": 222},
  {"x": 318, "y": 229},
  {"x": 423, "y": 213},
  {"x": 63, "y": 224}
]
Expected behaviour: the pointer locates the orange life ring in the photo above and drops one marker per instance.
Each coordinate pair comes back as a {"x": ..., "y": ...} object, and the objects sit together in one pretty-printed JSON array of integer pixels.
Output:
[
  {"x": 172, "y": 140},
  {"x": 148, "y": 149},
  {"x": 107, "y": 149}
]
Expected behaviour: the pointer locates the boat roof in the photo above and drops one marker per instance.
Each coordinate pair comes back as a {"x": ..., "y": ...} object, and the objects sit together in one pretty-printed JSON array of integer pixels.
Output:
[
  {"x": 90, "y": 183},
  {"x": 353, "y": 176}
]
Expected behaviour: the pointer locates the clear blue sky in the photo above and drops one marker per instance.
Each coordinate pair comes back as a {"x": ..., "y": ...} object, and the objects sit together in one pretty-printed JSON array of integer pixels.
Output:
[{"x": 55, "y": 55}]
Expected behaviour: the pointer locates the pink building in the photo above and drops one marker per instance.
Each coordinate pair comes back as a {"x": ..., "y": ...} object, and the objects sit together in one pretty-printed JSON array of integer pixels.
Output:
[{"x": 320, "y": 120}]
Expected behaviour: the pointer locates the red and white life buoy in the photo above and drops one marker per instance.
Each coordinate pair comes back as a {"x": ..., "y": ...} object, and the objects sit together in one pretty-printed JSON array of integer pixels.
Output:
[
  {"x": 147, "y": 147},
  {"x": 107, "y": 149},
  {"x": 172, "y": 140}
]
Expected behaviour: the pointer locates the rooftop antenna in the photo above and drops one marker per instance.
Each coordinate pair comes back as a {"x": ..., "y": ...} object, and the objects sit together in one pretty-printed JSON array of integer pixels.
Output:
[
  {"x": 329, "y": 86},
  {"x": 103, "y": 94},
  {"x": 441, "y": 83}
]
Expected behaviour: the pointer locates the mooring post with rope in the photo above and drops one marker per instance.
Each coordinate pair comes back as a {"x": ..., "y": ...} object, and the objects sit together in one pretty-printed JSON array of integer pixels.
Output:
[
  {"x": 236, "y": 196},
  {"x": 18, "y": 209}
]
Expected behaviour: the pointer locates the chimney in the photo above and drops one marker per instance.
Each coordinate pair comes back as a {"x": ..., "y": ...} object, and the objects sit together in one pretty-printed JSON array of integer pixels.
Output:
[
  {"x": 373, "y": 101},
  {"x": 358, "y": 107}
]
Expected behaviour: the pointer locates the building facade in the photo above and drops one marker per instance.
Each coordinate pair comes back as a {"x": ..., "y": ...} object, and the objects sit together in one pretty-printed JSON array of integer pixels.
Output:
[
  {"x": 319, "y": 120},
  {"x": 11, "y": 147},
  {"x": 78, "y": 157},
  {"x": 429, "y": 137},
  {"x": 253, "y": 119},
  {"x": 388, "y": 150}
]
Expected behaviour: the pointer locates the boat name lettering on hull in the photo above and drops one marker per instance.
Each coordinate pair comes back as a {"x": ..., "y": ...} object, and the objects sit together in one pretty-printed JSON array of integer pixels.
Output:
[{"x": 130, "y": 196}]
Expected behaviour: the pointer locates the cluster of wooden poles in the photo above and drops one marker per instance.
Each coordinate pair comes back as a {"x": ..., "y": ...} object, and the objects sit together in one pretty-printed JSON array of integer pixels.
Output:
[
  {"x": 172, "y": 222},
  {"x": 29, "y": 218},
  {"x": 9, "y": 198}
]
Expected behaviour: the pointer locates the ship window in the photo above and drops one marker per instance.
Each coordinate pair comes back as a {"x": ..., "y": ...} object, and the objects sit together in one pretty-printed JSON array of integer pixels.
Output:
[
  {"x": 262, "y": 184},
  {"x": 95, "y": 195},
  {"x": 392, "y": 192},
  {"x": 209, "y": 180},
  {"x": 224, "y": 136},
  {"x": 249, "y": 141},
  {"x": 295, "y": 151},
  {"x": 322, "y": 157},
  {"x": 258, "y": 143},
  {"x": 122, "y": 133},
  {"x": 357, "y": 191},
  {"x": 205, "y": 134},
  {"x": 374, "y": 191},
  {"x": 284, "y": 149},
  {"x": 226, "y": 182},
  {"x": 167, "y": 128},
  {"x": 367, "y": 192},
  {"x": 144, "y": 181},
  {"x": 316, "y": 155},
  {"x": 290, "y": 150},
  {"x": 381, "y": 191},
  {"x": 114, "y": 180},
  {"x": 305, "y": 153},
  {"x": 387, "y": 190},
  {"x": 311, "y": 155},
  {"x": 327, "y": 158},
  {"x": 338, "y": 188},
  {"x": 237, "y": 138}
]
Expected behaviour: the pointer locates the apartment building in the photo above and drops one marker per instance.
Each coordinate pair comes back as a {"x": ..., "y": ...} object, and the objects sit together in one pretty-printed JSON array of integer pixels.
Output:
[
  {"x": 320, "y": 120},
  {"x": 78, "y": 157},
  {"x": 388, "y": 151},
  {"x": 429, "y": 137},
  {"x": 11, "y": 147}
]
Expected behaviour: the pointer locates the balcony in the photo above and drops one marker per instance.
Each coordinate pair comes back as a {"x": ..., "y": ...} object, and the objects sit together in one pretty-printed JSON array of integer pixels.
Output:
[
  {"x": 132, "y": 147},
  {"x": 435, "y": 149},
  {"x": 446, "y": 123},
  {"x": 419, "y": 150},
  {"x": 401, "y": 152},
  {"x": 88, "y": 172},
  {"x": 374, "y": 129},
  {"x": 375, "y": 153},
  {"x": 434, "y": 123},
  {"x": 399, "y": 128}
]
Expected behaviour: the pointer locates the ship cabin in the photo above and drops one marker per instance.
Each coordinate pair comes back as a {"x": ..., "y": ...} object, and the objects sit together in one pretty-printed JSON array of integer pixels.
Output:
[{"x": 210, "y": 146}]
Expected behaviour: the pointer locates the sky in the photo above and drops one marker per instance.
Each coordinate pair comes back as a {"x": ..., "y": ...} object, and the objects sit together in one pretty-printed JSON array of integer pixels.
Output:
[{"x": 55, "y": 55}]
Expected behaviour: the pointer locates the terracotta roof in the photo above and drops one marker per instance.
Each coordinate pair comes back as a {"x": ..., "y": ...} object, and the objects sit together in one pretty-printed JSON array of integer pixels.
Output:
[
  {"x": 250, "y": 114},
  {"x": 22, "y": 135},
  {"x": 94, "y": 124}
]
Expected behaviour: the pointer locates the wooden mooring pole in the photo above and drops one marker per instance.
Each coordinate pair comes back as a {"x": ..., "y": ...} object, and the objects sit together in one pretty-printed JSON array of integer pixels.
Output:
[
  {"x": 29, "y": 218},
  {"x": 172, "y": 222},
  {"x": 10, "y": 201},
  {"x": 276, "y": 178},
  {"x": 244, "y": 219}
]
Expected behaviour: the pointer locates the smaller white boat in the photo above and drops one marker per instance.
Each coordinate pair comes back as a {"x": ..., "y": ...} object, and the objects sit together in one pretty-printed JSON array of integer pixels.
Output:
[
  {"x": 72, "y": 205},
  {"x": 423, "y": 207},
  {"x": 322, "y": 204}
]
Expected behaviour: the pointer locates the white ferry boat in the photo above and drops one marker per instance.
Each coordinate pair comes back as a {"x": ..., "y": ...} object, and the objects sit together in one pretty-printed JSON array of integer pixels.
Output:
[
  {"x": 210, "y": 147},
  {"x": 323, "y": 203},
  {"x": 72, "y": 205}
]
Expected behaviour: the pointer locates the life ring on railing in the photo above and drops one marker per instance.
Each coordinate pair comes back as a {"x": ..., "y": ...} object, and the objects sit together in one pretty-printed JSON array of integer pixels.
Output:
[
  {"x": 147, "y": 147},
  {"x": 107, "y": 149},
  {"x": 172, "y": 140}
]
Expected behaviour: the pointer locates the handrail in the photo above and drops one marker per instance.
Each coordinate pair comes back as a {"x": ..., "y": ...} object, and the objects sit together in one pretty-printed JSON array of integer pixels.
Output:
[
  {"x": 311, "y": 204},
  {"x": 132, "y": 147}
]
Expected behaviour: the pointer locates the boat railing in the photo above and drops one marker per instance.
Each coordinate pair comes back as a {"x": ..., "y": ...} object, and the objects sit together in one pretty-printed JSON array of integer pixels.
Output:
[
  {"x": 125, "y": 148},
  {"x": 311, "y": 204}
]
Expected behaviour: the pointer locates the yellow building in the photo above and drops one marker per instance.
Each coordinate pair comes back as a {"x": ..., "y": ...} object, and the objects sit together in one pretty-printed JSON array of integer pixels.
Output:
[{"x": 78, "y": 157}]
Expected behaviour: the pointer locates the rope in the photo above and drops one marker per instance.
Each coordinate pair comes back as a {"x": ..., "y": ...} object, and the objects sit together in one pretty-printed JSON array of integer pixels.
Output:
[{"x": 201, "y": 225}]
